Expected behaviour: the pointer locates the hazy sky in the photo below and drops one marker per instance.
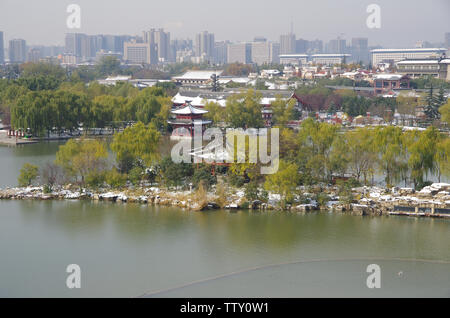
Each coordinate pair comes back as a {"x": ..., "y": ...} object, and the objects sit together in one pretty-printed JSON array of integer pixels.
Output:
[{"x": 403, "y": 22}]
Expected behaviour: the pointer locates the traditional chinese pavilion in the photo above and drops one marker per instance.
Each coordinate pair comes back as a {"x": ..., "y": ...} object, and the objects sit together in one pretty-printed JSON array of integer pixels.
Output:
[{"x": 186, "y": 117}]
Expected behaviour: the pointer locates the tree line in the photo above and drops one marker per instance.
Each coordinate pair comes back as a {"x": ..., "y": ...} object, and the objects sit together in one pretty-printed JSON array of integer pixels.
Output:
[{"x": 318, "y": 155}]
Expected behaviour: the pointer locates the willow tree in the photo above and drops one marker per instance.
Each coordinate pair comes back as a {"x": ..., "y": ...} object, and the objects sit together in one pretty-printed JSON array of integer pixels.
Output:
[
  {"x": 361, "y": 153},
  {"x": 391, "y": 153},
  {"x": 442, "y": 158},
  {"x": 315, "y": 148},
  {"x": 422, "y": 159},
  {"x": 151, "y": 105},
  {"x": 81, "y": 158},
  {"x": 244, "y": 110},
  {"x": 136, "y": 146},
  {"x": 283, "y": 111}
]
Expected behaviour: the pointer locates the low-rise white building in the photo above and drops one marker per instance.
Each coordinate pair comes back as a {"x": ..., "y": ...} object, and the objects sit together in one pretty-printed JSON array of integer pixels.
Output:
[
  {"x": 434, "y": 67},
  {"x": 196, "y": 77},
  {"x": 396, "y": 55}
]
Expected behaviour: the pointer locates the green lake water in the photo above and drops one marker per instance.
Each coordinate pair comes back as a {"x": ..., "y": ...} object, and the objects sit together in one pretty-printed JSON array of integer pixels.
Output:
[{"x": 132, "y": 250}]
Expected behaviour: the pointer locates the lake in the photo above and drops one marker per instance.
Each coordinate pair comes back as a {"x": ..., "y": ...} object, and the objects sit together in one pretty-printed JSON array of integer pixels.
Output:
[{"x": 134, "y": 250}]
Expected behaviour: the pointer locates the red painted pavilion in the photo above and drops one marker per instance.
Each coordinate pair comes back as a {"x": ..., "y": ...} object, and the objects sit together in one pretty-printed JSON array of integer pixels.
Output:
[{"x": 186, "y": 118}]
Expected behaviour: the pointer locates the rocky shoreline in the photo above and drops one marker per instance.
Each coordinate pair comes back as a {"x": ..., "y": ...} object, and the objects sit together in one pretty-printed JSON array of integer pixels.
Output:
[{"x": 431, "y": 201}]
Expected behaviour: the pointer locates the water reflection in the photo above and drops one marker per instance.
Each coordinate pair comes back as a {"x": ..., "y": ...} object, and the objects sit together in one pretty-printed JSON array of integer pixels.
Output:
[{"x": 128, "y": 249}]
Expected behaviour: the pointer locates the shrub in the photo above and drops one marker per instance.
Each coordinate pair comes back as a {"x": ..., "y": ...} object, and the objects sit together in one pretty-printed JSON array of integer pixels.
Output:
[
  {"x": 116, "y": 179},
  {"x": 345, "y": 190},
  {"x": 322, "y": 198},
  {"x": 135, "y": 175},
  {"x": 201, "y": 196},
  {"x": 173, "y": 174},
  {"x": 252, "y": 191},
  {"x": 203, "y": 175},
  {"x": 95, "y": 179},
  {"x": 222, "y": 193},
  {"x": 236, "y": 180},
  {"x": 47, "y": 189},
  {"x": 244, "y": 205},
  {"x": 423, "y": 184}
]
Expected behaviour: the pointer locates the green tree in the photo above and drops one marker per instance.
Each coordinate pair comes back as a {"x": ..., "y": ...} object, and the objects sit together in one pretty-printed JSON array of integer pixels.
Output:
[
  {"x": 115, "y": 179},
  {"x": 391, "y": 153},
  {"x": 445, "y": 112},
  {"x": 406, "y": 105},
  {"x": 244, "y": 110},
  {"x": 174, "y": 174},
  {"x": 442, "y": 157},
  {"x": 216, "y": 113},
  {"x": 315, "y": 149},
  {"x": 136, "y": 146},
  {"x": 284, "y": 181},
  {"x": 422, "y": 159},
  {"x": 361, "y": 152},
  {"x": 80, "y": 158},
  {"x": 283, "y": 111},
  {"x": 28, "y": 174},
  {"x": 108, "y": 65},
  {"x": 431, "y": 104},
  {"x": 202, "y": 175}
]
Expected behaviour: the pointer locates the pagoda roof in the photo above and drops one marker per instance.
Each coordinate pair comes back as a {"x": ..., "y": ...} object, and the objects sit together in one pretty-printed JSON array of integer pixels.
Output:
[{"x": 189, "y": 109}]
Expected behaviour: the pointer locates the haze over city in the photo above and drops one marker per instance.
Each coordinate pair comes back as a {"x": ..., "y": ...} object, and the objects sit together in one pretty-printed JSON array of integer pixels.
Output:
[
  {"x": 403, "y": 22},
  {"x": 203, "y": 152}
]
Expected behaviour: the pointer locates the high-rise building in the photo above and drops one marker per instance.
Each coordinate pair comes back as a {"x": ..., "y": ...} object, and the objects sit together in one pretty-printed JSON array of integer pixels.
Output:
[
  {"x": 264, "y": 52},
  {"x": 17, "y": 51},
  {"x": 159, "y": 44},
  {"x": 114, "y": 43},
  {"x": 119, "y": 42},
  {"x": 162, "y": 41},
  {"x": 89, "y": 46},
  {"x": 34, "y": 55},
  {"x": 315, "y": 47},
  {"x": 204, "y": 45},
  {"x": 275, "y": 52},
  {"x": 337, "y": 46},
  {"x": 50, "y": 51},
  {"x": 2, "y": 49},
  {"x": 239, "y": 53},
  {"x": 180, "y": 48},
  {"x": 259, "y": 39},
  {"x": 73, "y": 43},
  {"x": 83, "y": 45},
  {"x": 138, "y": 53},
  {"x": 360, "y": 50},
  {"x": 221, "y": 52},
  {"x": 287, "y": 43},
  {"x": 301, "y": 46}
]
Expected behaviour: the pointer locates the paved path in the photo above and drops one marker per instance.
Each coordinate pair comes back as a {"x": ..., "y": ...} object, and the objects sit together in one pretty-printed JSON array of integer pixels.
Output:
[{"x": 12, "y": 141}]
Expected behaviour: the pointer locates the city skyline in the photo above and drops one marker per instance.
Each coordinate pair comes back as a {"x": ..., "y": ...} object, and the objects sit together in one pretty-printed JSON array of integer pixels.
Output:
[{"x": 308, "y": 20}]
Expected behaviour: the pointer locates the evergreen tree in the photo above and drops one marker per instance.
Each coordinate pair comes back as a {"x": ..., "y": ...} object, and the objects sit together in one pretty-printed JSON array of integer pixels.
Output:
[
  {"x": 441, "y": 99},
  {"x": 432, "y": 105}
]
